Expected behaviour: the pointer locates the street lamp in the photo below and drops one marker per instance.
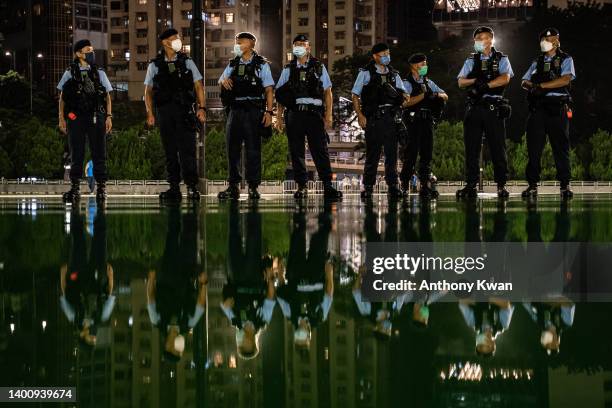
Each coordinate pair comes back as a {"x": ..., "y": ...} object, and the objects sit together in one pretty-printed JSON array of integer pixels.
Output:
[
  {"x": 13, "y": 55},
  {"x": 39, "y": 55}
]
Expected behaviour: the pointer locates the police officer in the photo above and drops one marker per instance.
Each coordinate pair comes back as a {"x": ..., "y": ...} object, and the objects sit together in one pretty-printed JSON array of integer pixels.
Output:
[
  {"x": 488, "y": 320},
  {"x": 305, "y": 90},
  {"x": 85, "y": 112},
  {"x": 548, "y": 81},
  {"x": 486, "y": 73},
  {"x": 378, "y": 95},
  {"x": 247, "y": 94},
  {"x": 425, "y": 104},
  {"x": 172, "y": 84}
]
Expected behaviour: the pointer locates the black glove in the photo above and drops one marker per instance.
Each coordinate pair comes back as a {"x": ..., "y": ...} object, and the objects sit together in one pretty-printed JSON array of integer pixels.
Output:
[
  {"x": 479, "y": 88},
  {"x": 537, "y": 91}
]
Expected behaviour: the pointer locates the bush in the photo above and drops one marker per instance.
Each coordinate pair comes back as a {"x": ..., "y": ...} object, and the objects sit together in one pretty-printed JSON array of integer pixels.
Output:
[
  {"x": 38, "y": 150},
  {"x": 448, "y": 151},
  {"x": 601, "y": 148}
]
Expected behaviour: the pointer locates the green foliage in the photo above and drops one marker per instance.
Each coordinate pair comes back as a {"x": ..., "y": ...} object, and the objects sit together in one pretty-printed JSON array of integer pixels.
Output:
[
  {"x": 274, "y": 156},
  {"x": 37, "y": 150},
  {"x": 448, "y": 157},
  {"x": 126, "y": 152},
  {"x": 601, "y": 164},
  {"x": 216, "y": 156}
]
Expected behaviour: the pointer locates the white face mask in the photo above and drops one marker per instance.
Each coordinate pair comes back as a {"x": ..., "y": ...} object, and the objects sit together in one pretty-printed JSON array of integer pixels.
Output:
[
  {"x": 179, "y": 343},
  {"x": 300, "y": 335},
  {"x": 237, "y": 50},
  {"x": 239, "y": 337},
  {"x": 546, "y": 338},
  {"x": 299, "y": 51},
  {"x": 481, "y": 339},
  {"x": 176, "y": 45},
  {"x": 546, "y": 46}
]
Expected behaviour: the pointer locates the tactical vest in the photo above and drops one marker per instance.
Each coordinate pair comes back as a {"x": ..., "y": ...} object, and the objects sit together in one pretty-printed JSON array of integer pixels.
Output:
[
  {"x": 418, "y": 89},
  {"x": 379, "y": 89},
  {"x": 304, "y": 304},
  {"x": 305, "y": 81},
  {"x": 487, "y": 313},
  {"x": 84, "y": 93},
  {"x": 245, "y": 79},
  {"x": 487, "y": 70},
  {"x": 549, "y": 71},
  {"x": 173, "y": 81},
  {"x": 548, "y": 315}
]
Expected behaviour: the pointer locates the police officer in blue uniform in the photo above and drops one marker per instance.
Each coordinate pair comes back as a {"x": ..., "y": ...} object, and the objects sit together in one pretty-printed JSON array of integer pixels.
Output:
[
  {"x": 247, "y": 93},
  {"x": 422, "y": 110},
  {"x": 304, "y": 92},
  {"x": 547, "y": 82},
  {"x": 485, "y": 74},
  {"x": 172, "y": 86},
  {"x": 378, "y": 96},
  {"x": 85, "y": 112}
]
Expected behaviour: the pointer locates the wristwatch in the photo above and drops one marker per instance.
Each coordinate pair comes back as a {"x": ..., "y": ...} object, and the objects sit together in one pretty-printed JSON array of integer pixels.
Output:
[{"x": 109, "y": 115}]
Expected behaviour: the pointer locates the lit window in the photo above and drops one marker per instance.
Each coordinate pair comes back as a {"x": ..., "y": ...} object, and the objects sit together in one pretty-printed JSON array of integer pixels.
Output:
[{"x": 229, "y": 17}]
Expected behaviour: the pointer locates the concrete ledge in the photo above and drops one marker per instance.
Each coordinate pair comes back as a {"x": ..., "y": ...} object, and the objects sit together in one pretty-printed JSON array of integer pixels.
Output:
[{"x": 154, "y": 187}]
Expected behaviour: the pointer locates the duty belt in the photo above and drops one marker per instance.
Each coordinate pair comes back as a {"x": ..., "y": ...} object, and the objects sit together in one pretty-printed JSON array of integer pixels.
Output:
[
  {"x": 308, "y": 107},
  {"x": 247, "y": 103}
]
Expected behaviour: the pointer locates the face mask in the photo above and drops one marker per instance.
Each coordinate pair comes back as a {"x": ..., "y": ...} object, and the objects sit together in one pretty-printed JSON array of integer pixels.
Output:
[
  {"x": 237, "y": 50},
  {"x": 179, "y": 343},
  {"x": 300, "y": 335},
  {"x": 90, "y": 57},
  {"x": 424, "y": 312},
  {"x": 546, "y": 338},
  {"x": 385, "y": 59},
  {"x": 481, "y": 339},
  {"x": 423, "y": 70},
  {"x": 479, "y": 46},
  {"x": 299, "y": 51},
  {"x": 176, "y": 45},
  {"x": 239, "y": 337},
  {"x": 546, "y": 46}
]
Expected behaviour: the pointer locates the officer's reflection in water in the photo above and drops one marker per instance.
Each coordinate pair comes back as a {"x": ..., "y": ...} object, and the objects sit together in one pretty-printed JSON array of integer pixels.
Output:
[
  {"x": 249, "y": 294},
  {"x": 556, "y": 313},
  {"x": 307, "y": 294},
  {"x": 86, "y": 281},
  {"x": 176, "y": 290},
  {"x": 487, "y": 319}
]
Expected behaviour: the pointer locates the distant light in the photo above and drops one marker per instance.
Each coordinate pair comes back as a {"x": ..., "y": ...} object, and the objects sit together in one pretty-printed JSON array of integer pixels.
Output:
[
  {"x": 130, "y": 321},
  {"x": 8, "y": 53},
  {"x": 39, "y": 55},
  {"x": 12, "y": 328},
  {"x": 44, "y": 324}
]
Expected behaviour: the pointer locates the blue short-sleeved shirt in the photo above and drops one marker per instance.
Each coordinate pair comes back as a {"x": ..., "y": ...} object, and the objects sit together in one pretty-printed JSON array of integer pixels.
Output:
[
  {"x": 567, "y": 68},
  {"x": 325, "y": 81},
  {"x": 504, "y": 68},
  {"x": 363, "y": 78},
  {"x": 152, "y": 70},
  {"x": 432, "y": 85},
  {"x": 265, "y": 74},
  {"x": 103, "y": 79}
]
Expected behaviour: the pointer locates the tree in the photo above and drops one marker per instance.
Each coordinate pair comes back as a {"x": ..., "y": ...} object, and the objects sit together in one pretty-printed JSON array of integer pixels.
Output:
[{"x": 601, "y": 147}]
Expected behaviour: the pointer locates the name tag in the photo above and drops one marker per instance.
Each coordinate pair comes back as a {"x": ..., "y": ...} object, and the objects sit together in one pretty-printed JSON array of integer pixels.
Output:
[
  {"x": 171, "y": 67},
  {"x": 302, "y": 75},
  {"x": 383, "y": 79},
  {"x": 241, "y": 70}
]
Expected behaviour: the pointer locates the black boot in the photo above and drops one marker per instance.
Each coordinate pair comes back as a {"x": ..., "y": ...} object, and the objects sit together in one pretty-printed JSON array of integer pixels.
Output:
[
  {"x": 172, "y": 194},
  {"x": 74, "y": 194},
  {"x": 469, "y": 191},
  {"x": 531, "y": 191},
  {"x": 566, "y": 192},
  {"x": 367, "y": 193},
  {"x": 330, "y": 193},
  {"x": 502, "y": 192},
  {"x": 425, "y": 192},
  {"x": 393, "y": 192},
  {"x": 253, "y": 193},
  {"x": 101, "y": 192},
  {"x": 301, "y": 192},
  {"x": 231, "y": 192},
  {"x": 193, "y": 193}
]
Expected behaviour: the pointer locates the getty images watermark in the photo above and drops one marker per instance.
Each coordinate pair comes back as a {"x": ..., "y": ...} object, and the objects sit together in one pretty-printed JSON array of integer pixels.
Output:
[{"x": 520, "y": 271}]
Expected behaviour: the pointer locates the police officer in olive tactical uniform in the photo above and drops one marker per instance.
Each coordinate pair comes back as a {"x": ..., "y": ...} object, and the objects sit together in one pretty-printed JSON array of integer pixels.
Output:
[
  {"x": 172, "y": 85},
  {"x": 547, "y": 82},
  {"x": 423, "y": 109},
  {"x": 304, "y": 90},
  {"x": 247, "y": 95},
  {"x": 378, "y": 96},
  {"x": 485, "y": 74},
  {"x": 85, "y": 112}
]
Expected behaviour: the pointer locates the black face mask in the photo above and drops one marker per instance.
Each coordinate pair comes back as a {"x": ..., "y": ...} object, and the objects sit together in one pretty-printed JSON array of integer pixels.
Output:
[{"x": 90, "y": 57}]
